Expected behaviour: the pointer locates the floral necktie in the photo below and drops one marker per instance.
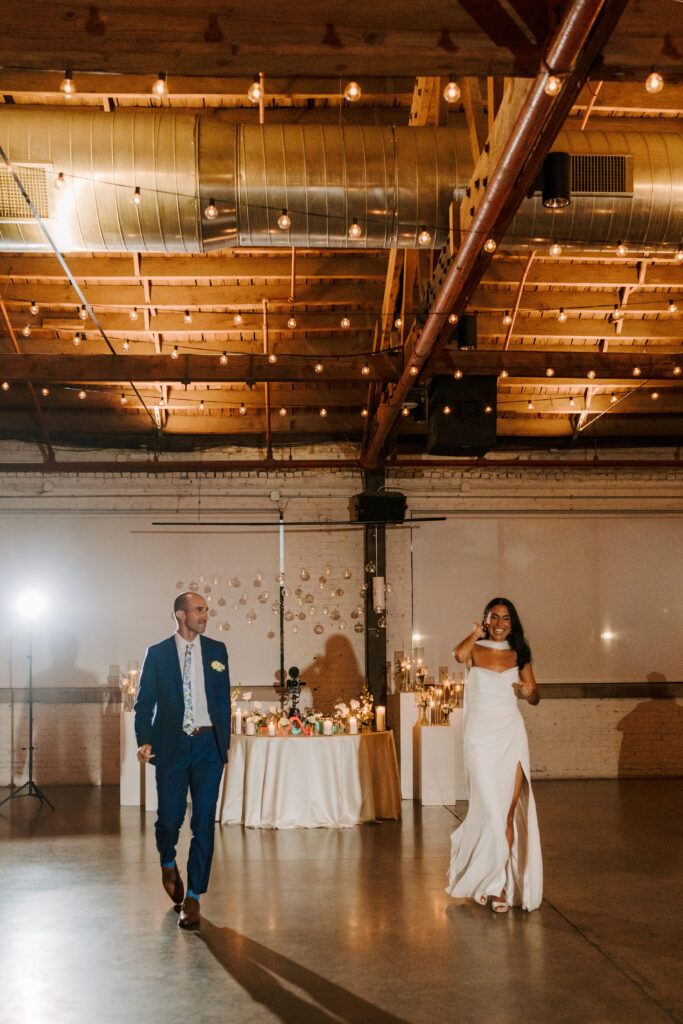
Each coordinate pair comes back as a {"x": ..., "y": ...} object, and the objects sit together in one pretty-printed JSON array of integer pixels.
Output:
[{"x": 188, "y": 717}]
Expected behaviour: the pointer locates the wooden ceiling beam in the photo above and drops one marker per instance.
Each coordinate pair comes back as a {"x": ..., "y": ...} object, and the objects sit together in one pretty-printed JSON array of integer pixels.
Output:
[
  {"x": 573, "y": 273},
  {"x": 575, "y": 302},
  {"x": 667, "y": 328}
]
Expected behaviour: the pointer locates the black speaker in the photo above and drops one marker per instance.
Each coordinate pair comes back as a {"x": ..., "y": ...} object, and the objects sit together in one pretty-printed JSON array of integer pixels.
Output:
[
  {"x": 466, "y": 332},
  {"x": 378, "y": 507},
  {"x": 557, "y": 180},
  {"x": 461, "y": 418}
]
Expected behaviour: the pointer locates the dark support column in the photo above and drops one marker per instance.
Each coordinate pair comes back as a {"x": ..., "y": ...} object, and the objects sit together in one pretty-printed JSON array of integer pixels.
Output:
[{"x": 375, "y": 638}]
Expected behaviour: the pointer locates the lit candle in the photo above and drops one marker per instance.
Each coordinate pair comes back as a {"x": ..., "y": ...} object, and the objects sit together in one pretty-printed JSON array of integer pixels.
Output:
[
  {"x": 381, "y": 718},
  {"x": 238, "y": 722},
  {"x": 431, "y": 712},
  {"x": 250, "y": 728},
  {"x": 271, "y": 728},
  {"x": 327, "y": 727},
  {"x": 353, "y": 725}
]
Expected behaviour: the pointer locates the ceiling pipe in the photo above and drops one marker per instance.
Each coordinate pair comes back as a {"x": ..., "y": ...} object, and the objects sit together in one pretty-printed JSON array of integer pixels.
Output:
[{"x": 469, "y": 265}]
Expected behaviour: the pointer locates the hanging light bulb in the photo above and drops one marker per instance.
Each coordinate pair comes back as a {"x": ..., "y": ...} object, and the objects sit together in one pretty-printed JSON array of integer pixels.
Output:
[
  {"x": 243, "y": 409},
  {"x": 60, "y": 181},
  {"x": 549, "y": 372},
  {"x": 490, "y": 245},
  {"x": 352, "y": 92},
  {"x": 654, "y": 82},
  {"x": 451, "y": 92},
  {"x": 612, "y": 398},
  {"x": 238, "y": 319},
  {"x": 572, "y": 403},
  {"x": 561, "y": 316},
  {"x": 201, "y": 405},
  {"x": 364, "y": 411},
  {"x": 488, "y": 409},
  {"x": 284, "y": 221},
  {"x": 591, "y": 374},
  {"x": 123, "y": 399},
  {"x": 405, "y": 411},
  {"x": 210, "y": 211},
  {"x": 424, "y": 237},
  {"x": 555, "y": 249},
  {"x": 414, "y": 370},
  {"x": 5, "y": 385},
  {"x": 175, "y": 353},
  {"x": 272, "y": 358},
  {"x": 637, "y": 371},
  {"x": 446, "y": 410},
  {"x": 223, "y": 358},
  {"x": 677, "y": 371},
  {"x": 678, "y": 255},
  {"x": 355, "y": 231},
  {"x": 654, "y": 395},
  {"x": 622, "y": 249},
  {"x": 458, "y": 374},
  {"x": 160, "y": 87},
  {"x": 67, "y": 86},
  {"x": 291, "y": 323},
  {"x": 255, "y": 91},
  {"x": 83, "y": 313},
  {"x": 318, "y": 367},
  {"x": 552, "y": 86},
  {"x": 503, "y": 374},
  {"x": 81, "y": 395},
  {"x": 398, "y": 323},
  {"x": 323, "y": 412},
  {"x": 365, "y": 369},
  {"x": 126, "y": 344},
  {"x": 530, "y": 405},
  {"x": 26, "y": 330},
  {"x": 345, "y": 322},
  {"x": 507, "y": 319},
  {"x": 45, "y": 392},
  {"x": 615, "y": 314},
  {"x": 672, "y": 306},
  {"x": 133, "y": 313},
  {"x": 188, "y": 317},
  {"x": 453, "y": 318},
  {"x": 33, "y": 308},
  {"x": 136, "y": 198},
  {"x": 77, "y": 339},
  {"x": 283, "y": 411}
]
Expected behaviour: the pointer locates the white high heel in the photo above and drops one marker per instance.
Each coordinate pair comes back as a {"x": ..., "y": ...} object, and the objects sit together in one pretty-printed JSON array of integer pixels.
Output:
[{"x": 498, "y": 906}]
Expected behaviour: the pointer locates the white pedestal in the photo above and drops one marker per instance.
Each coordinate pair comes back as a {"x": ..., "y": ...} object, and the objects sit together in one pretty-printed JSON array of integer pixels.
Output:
[
  {"x": 402, "y": 714},
  {"x": 438, "y": 767},
  {"x": 132, "y": 783}
]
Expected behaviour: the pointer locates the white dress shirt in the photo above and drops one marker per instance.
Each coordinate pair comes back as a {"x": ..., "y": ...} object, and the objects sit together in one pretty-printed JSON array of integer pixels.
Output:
[{"x": 199, "y": 706}]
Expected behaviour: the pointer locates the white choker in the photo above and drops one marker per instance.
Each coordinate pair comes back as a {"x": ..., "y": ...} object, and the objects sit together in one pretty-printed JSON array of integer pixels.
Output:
[{"x": 498, "y": 645}]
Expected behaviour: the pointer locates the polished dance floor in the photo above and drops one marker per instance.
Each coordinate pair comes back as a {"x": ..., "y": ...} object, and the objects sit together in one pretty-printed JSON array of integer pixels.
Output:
[{"x": 353, "y": 925}]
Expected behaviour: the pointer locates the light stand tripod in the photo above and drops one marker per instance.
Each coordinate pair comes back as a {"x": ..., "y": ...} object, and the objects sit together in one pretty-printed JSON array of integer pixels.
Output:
[{"x": 29, "y": 787}]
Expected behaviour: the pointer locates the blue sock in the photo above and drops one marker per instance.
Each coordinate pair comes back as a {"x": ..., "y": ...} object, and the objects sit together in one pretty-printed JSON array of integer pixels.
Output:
[
  {"x": 194, "y": 895},
  {"x": 172, "y": 864}
]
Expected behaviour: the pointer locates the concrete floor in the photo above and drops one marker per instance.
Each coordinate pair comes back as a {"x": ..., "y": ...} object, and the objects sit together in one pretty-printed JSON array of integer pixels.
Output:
[{"x": 351, "y": 925}]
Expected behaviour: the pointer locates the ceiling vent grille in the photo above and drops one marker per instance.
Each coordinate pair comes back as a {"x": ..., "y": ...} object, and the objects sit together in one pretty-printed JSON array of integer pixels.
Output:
[
  {"x": 598, "y": 174},
  {"x": 13, "y": 206}
]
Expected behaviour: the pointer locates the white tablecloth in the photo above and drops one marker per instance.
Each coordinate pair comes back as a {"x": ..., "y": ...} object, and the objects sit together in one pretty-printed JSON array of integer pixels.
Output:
[{"x": 310, "y": 782}]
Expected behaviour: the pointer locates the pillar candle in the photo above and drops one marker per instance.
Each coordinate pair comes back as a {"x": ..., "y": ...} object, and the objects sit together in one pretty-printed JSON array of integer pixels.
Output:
[
  {"x": 250, "y": 728},
  {"x": 353, "y": 726},
  {"x": 380, "y": 718},
  {"x": 327, "y": 727},
  {"x": 271, "y": 728},
  {"x": 238, "y": 722}
]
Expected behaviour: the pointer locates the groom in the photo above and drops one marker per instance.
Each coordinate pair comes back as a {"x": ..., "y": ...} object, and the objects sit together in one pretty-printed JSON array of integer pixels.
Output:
[{"x": 182, "y": 724}]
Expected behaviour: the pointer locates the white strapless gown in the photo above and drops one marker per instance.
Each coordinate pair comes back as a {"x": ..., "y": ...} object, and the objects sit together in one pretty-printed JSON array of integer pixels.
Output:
[{"x": 495, "y": 742}]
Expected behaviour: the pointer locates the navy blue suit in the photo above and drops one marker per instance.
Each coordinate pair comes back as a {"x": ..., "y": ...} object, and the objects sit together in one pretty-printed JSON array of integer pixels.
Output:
[{"x": 184, "y": 762}]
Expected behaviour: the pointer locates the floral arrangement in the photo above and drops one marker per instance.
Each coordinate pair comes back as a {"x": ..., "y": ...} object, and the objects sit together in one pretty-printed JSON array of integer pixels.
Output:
[
  {"x": 314, "y": 719},
  {"x": 422, "y": 698},
  {"x": 447, "y": 706},
  {"x": 262, "y": 716},
  {"x": 365, "y": 710},
  {"x": 129, "y": 688},
  {"x": 237, "y": 695}
]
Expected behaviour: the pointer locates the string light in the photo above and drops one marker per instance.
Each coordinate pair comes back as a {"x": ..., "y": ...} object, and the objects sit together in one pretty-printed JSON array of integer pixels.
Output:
[
  {"x": 345, "y": 322},
  {"x": 451, "y": 92},
  {"x": 414, "y": 370},
  {"x": 677, "y": 371},
  {"x": 622, "y": 249},
  {"x": 490, "y": 245},
  {"x": 60, "y": 181},
  {"x": 364, "y": 411},
  {"x": 355, "y": 231},
  {"x": 126, "y": 344},
  {"x": 654, "y": 395},
  {"x": 591, "y": 374},
  {"x": 123, "y": 399},
  {"x": 201, "y": 405},
  {"x": 678, "y": 255},
  {"x": 133, "y": 313},
  {"x": 67, "y": 86},
  {"x": 446, "y": 410},
  {"x": 488, "y": 409},
  {"x": 365, "y": 369},
  {"x": 530, "y": 405},
  {"x": 503, "y": 374},
  {"x": 291, "y": 323},
  {"x": 45, "y": 392},
  {"x": 5, "y": 385},
  {"x": 616, "y": 314},
  {"x": 81, "y": 395},
  {"x": 507, "y": 319},
  {"x": 223, "y": 358},
  {"x": 352, "y": 92},
  {"x": 654, "y": 82},
  {"x": 405, "y": 411},
  {"x": 243, "y": 409},
  {"x": 188, "y": 317},
  {"x": 637, "y": 371},
  {"x": 672, "y": 306},
  {"x": 318, "y": 367},
  {"x": 238, "y": 319},
  {"x": 424, "y": 237},
  {"x": 26, "y": 330},
  {"x": 160, "y": 87},
  {"x": 323, "y": 412},
  {"x": 398, "y": 323},
  {"x": 175, "y": 353},
  {"x": 572, "y": 403},
  {"x": 555, "y": 249},
  {"x": 33, "y": 308},
  {"x": 210, "y": 211},
  {"x": 137, "y": 198},
  {"x": 552, "y": 86},
  {"x": 453, "y": 318},
  {"x": 272, "y": 358},
  {"x": 549, "y": 372},
  {"x": 284, "y": 221},
  {"x": 77, "y": 339},
  {"x": 561, "y": 316},
  {"x": 612, "y": 398},
  {"x": 458, "y": 374},
  {"x": 83, "y": 313},
  {"x": 255, "y": 91},
  {"x": 283, "y": 411}
]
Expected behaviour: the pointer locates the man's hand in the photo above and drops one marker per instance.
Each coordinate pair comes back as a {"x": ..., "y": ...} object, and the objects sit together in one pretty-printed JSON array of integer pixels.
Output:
[{"x": 145, "y": 753}]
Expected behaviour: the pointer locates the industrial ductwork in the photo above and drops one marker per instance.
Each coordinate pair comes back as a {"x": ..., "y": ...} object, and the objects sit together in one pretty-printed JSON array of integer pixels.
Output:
[{"x": 395, "y": 182}]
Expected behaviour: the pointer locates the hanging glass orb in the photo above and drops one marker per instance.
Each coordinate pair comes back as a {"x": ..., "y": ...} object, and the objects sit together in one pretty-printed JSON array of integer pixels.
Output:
[
  {"x": 388, "y": 589},
  {"x": 318, "y": 628},
  {"x": 304, "y": 575},
  {"x": 257, "y": 581},
  {"x": 251, "y": 617},
  {"x": 312, "y": 610},
  {"x": 300, "y": 602},
  {"x": 322, "y": 580},
  {"x": 209, "y": 598},
  {"x": 301, "y": 616},
  {"x": 275, "y": 607},
  {"x": 202, "y": 579},
  {"x": 335, "y": 614},
  {"x": 236, "y": 607},
  {"x": 289, "y": 616},
  {"x": 207, "y": 590},
  {"x": 363, "y": 589},
  {"x": 234, "y": 582},
  {"x": 371, "y": 568},
  {"x": 280, "y": 578},
  {"x": 243, "y": 598},
  {"x": 179, "y": 584},
  {"x": 263, "y": 596},
  {"x": 325, "y": 610},
  {"x": 354, "y": 613},
  {"x": 212, "y": 612},
  {"x": 295, "y": 629},
  {"x": 215, "y": 580},
  {"x": 359, "y": 627},
  {"x": 340, "y": 592},
  {"x": 286, "y": 592},
  {"x": 347, "y": 574},
  {"x": 342, "y": 625},
  {"x": 382, "y": 622},
  {"x": 308, "y": 598},
  {"x": 221, "y": 602},
  {"x": 298, "y": 591},
  {"x": 193, "y": 586},
  {"x": 259, "y": 577},
  {"x": 270, "y": 634},
  {"x": 328, "y": 570},
  {"x": 225, "y": 626}
]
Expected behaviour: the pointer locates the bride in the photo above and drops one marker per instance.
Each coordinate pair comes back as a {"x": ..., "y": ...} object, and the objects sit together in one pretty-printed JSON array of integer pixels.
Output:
[{"x": 496, "y": 852}]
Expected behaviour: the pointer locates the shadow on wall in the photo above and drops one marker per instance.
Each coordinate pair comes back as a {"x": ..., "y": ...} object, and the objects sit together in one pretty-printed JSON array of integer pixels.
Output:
[
  {"x": 334, "y": 674},
  {"x": 652, "y": 735}
]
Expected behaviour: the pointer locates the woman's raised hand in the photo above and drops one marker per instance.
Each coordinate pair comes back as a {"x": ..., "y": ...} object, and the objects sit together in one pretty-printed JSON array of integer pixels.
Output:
[{"x": 478, "y": 630}]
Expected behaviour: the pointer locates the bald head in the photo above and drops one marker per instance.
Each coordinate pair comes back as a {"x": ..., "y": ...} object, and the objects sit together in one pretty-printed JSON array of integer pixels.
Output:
[{"x": 192, "y": 614}]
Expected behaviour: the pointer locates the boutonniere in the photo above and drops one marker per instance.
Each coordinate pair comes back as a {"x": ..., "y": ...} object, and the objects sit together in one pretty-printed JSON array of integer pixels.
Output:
[{"x": 218, "y": 666}]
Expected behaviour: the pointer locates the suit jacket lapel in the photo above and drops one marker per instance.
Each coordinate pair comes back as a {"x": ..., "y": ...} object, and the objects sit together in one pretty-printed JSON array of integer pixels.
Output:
[{"x": 208, "y": 671}]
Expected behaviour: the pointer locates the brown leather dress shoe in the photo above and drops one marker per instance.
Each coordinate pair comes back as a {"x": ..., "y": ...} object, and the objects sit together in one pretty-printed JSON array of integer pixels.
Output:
[
  {"x": 189, "y": 914},
  {"x": 173, "y": 883}
]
